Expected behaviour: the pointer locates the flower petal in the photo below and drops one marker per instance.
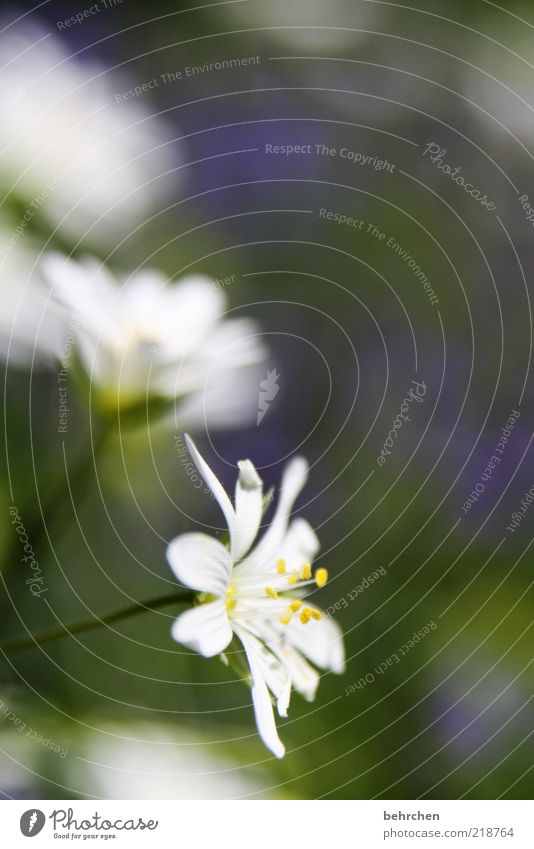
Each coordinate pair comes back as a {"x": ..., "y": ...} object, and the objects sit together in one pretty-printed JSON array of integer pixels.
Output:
[
  {"x": 304, "y": 677},
  {"x": 274, "y": 671},
  {"x": 229, "y": 345},
  {"x": 193, "y": 309},
  {"x": 214, "y": 484},
  {"x": 85, "y": 288},
  {"x": 293, "y": 480},
  {"x": 248, "y": 508},
  {"x": 282, "y": 703},
  {"x": 204, "y": 629},
  {"x": 200, "y": 562},
  {"x": 263, "y": 708},
  {"x": 31, "y": 331},
  {"x": 319, "y": 641}
]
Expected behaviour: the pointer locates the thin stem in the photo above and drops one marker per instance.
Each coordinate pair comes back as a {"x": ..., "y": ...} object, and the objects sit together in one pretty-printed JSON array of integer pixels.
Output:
[{"x": 97, "y": 621}]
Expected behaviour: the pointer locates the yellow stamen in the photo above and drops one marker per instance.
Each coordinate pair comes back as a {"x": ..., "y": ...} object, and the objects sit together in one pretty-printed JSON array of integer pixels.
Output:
[
  {"x": 231, "y": 603},
  {"x": 295, "y": 605},
  {"x": 281, "y": 566},
  {"x": 293, "y": 578},
  {"x": 305, "y": 616},
  {"x": 305, "y": 572},
  {"x": 317, "y": 615},
  {"x": 271, "y": 593},
  {"x": 231, "y": 591},
  {"x": 285, "y": 618},
  {"x": 321, "y": 577}
]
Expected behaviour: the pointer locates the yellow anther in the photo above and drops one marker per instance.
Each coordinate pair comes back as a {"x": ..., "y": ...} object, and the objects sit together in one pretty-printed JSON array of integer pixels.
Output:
[
  {"x": 317, "y": 614},
  {"x": 231, "y": 591},
  {"x": 321, "y": 577},
  {"x": 295, "y": 605},
  {"x": 305, "y": 616},
  {"x": 305, "y": 572},
  {"x": 293, "y": 578},
  {"x": 281, "y": 566},
  {"x": 271, "y": 593},
  {"x": 285, "y": 618},
  {"x": 231, "y": 603}
]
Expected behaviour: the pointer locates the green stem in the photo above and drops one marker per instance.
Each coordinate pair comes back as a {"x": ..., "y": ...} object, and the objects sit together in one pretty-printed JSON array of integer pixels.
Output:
[
  {"x": 58, "y": 499},
  {"x": 97, "y": 622}
]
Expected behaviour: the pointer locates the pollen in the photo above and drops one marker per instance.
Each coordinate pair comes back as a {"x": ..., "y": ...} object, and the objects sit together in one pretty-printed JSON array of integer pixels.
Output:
[
  {"x": 231, "y": 603},
  {"x": 321, "y": 577},
  {"x": 285, "y": 618},
  {"x": 295, "y": 605},
  {"x": 305, "y": 616},
  {"x": 293, "y": 578},
  {"x": 306, "y": 572},
  {"x": 271, "y": 593},
  {"x": 281, "y": 566},
  {"x": 316, "y": 614}
]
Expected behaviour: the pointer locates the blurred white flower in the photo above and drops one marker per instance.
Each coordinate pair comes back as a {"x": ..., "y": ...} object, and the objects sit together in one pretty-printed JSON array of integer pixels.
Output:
[
  {"x": 144, "y": 338},
  {"x": 68, "y": 151},
  {"x": 148, "y": 761},
  {"x": 256, "y": 594}
]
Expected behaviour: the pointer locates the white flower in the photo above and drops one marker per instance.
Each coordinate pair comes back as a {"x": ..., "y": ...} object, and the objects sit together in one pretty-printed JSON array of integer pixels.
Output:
[
  {"x": 68, "y": 150},
  {"x": 256, "y": 594},
  {"x": 142, "y": 337}
]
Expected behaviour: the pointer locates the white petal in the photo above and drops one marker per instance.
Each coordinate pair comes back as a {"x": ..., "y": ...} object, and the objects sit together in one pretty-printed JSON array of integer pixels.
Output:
[
  {"x": 200, "y": 562},
  {"x": 31, "y": 331},
  {"x": 248, "y": 508},
  {"x": 283, "y": 699},
  {"x": 214, "y": 484},
  {"x": 233, "y": 343},
  {"x": 274, "y": 671},
  {"x": 204, "y": 629},
  {"x": 263, "y": 708},
  {"x": 198, "y": 306},
  {"x": 189, "y": 314},
  {"x": 319, "y": 641},
  {"x": 144, "y": 287},
  {"x": 300, "y": 545},
  {"x": 213, "y": 359},
  {"x": 223, "y": 400},
  {"x": 293, "y": 480},
  {"x": 85, "y": 288}
]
